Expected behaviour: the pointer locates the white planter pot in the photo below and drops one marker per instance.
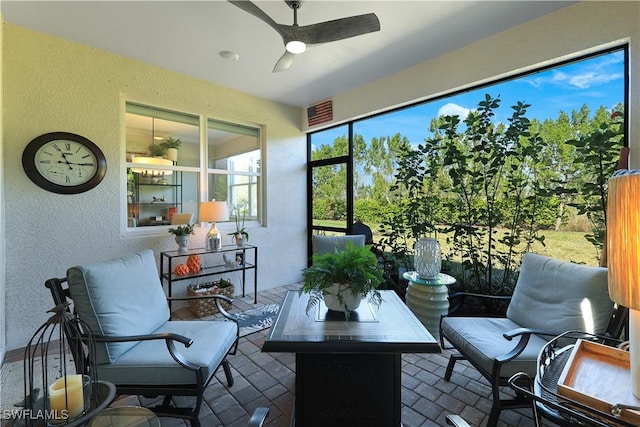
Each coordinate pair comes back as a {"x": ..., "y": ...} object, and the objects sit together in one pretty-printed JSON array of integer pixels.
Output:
[
  {"x": 172, "y": 154},
  {"x": 182, "y": 242},
  {"x": 333, "y": 301}
]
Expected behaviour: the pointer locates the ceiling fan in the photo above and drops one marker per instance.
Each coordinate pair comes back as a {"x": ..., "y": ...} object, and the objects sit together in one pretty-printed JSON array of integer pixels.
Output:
[{"x": 297, "y": 38}]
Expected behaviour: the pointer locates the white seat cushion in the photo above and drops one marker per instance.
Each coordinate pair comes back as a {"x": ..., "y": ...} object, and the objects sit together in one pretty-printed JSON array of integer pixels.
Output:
[{"x": 481, "y": 339}]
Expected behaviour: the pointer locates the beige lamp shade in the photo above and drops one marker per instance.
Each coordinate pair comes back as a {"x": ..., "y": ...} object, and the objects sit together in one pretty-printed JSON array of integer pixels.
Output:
[
  {"x": 213, "y": 211},
  {"x": 623, "y": 238}
]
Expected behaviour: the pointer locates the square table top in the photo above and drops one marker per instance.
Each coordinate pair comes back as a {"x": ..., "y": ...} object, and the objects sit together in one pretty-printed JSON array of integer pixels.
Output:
[{"x": 390, "y": 328}]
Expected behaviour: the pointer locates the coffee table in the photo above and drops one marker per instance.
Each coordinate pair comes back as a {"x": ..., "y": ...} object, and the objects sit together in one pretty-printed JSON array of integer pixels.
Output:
[{"x": 348, "y": 372}]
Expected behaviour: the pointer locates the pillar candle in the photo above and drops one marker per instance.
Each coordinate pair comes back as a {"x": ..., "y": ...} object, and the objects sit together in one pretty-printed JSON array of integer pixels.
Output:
[{"x": 66, "y": 394}]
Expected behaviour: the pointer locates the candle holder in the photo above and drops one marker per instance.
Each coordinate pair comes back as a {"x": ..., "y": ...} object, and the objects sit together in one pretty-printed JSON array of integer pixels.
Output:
[
  {"x": 59, "y": 374},
  {"x": 428, "y": 257}
]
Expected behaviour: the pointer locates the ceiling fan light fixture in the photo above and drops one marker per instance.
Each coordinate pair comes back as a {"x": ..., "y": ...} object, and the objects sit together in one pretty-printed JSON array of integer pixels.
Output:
[{"x": 296, "y": 47}]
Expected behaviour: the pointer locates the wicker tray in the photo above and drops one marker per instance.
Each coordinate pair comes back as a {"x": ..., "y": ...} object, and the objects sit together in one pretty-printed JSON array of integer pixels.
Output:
[
  {"x": 207, "y": 307},
  {"x": 598, "y": 376}
]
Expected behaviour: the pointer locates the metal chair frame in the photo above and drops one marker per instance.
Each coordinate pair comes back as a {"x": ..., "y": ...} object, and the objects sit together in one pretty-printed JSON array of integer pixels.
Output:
[
  {"x": 616, "y": 325},
  {"x": 61, "y": 294}
]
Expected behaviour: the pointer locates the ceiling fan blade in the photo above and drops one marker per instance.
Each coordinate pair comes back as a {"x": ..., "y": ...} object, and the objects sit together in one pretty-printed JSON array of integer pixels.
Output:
[
  {"x": 337, "y": 29},
  {"x": 285, "y": 62}
]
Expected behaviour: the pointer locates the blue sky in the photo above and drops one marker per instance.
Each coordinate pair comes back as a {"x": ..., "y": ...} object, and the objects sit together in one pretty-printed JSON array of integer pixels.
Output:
[{"x": 598, "y": 81}]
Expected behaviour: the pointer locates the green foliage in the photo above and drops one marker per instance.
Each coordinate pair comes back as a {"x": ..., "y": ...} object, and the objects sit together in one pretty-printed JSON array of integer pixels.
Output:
[
  {"x": 182, "y": 230},
  {"x": 600, "y": 149},
  {"x": 356, "y": 266},
  {"x": 171, "y": 143},
  {"x": 474, "y": 178},
  {"x": 468, "y": 180},
  {"x": 157, "y": 150},
  {"x": 240, "y": 227}
]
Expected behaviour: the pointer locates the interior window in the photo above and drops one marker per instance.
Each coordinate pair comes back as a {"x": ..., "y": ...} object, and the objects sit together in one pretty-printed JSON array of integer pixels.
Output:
[{"x": 163, "y": 157}]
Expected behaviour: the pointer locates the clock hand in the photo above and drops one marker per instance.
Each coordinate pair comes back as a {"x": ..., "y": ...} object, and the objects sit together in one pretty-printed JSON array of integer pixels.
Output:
[
  {"x": 66, "y": 163},
  {"x": 81, "y": 164},
  {"x": 64, "y": 156}
]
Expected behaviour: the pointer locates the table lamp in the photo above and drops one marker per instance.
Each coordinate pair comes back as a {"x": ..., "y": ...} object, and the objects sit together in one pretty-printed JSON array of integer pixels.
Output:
[
  {"x": 211, "y": 212},
  {"x": 623, "y": 253}
]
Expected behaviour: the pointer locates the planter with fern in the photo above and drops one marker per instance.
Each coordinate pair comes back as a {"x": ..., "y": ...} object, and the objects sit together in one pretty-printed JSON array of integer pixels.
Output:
[
  {"x": 343, "y": 279},
  {"x": 182, "y": 233}
]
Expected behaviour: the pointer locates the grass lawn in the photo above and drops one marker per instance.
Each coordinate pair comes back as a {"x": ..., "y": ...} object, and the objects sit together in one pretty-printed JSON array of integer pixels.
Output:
[{"x": 566, "y": 245}]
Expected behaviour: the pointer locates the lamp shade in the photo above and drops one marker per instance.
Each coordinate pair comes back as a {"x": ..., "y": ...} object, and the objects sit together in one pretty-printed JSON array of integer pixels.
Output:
[
  {"x": 623, "y": 238},
  {"x": 213, "y": 211}
]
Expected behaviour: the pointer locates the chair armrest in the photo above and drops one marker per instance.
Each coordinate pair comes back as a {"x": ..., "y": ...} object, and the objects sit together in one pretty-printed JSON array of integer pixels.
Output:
[
  {"x": 524, "y": 334},
  {"x": 258, "y": 417},
  {"x": 456, "y": 421},
  {"x": 219, "y": 299},
  {"x": 169, "y": 339},
  {"x": 164, "y": 336}
]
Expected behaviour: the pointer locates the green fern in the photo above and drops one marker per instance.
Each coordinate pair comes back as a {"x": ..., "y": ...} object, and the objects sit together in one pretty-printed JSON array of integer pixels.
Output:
[{"x": 355, "y": 266}]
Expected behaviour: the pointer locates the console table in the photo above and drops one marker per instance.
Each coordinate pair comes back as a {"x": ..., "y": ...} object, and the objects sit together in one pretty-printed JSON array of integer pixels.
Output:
[
  {"x": 348, "y": 372},
  {"x": 212, "y": 264}
]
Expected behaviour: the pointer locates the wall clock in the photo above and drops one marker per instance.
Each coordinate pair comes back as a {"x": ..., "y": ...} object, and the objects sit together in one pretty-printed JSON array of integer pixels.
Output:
[{"x": 64, "y": 163}]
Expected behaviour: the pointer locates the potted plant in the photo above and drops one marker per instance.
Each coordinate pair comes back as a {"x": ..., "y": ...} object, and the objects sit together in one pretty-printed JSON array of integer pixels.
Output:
[
  {"x": 182, "y": 233},
  {"x": 343, "y": 279},
  {"x": 240, "y": 235},
  {"x": 171, "y": 146}
]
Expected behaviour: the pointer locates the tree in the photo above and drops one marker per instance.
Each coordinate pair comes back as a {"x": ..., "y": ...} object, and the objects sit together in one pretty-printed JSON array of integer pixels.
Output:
[{"x": 598, "y": 147}]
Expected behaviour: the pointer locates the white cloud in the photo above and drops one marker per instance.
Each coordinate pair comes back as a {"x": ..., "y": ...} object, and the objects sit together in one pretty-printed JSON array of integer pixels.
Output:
[
  {"x": 588, "y": 80},
  {"x": 584, "y": 77},
  {"x": 451, "y": 109}
]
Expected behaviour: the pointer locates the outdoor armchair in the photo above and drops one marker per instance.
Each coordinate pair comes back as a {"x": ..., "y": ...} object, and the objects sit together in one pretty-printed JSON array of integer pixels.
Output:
[
  {"x": 330, "y": 244},
  {"x": 550, "y": 297},
  {"x": 138, "y": 348}
]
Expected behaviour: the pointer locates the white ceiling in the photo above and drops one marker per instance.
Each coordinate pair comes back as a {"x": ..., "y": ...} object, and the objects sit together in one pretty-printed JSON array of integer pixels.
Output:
[{"x": 187, "y": 36}]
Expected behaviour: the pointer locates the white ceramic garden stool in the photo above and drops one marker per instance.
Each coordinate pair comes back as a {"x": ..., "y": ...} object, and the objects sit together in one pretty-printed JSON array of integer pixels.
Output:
[{"x": 428, "y": 299}]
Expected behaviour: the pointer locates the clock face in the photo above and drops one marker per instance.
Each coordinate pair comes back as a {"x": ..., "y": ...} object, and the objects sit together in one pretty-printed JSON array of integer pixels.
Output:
[{"x": 64, "y": 163}]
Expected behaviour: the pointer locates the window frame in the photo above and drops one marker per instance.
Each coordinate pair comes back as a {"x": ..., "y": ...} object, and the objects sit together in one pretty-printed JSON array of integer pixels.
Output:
[{"x": 202, "y": 170}]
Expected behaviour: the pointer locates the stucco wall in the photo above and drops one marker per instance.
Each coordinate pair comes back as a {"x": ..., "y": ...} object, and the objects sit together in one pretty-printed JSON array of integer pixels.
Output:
[
  {"x": 569, "y": 32},
  {"x": 3, "y": 335},
  {"x": 51, "y": 84}
]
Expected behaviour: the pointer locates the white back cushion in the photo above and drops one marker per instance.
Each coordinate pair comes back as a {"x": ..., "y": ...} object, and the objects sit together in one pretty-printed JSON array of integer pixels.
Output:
[
  {"x": 329, "y": 244},
  {"x": 119, "y": 297},
  {"x": 558, "y": 296}
]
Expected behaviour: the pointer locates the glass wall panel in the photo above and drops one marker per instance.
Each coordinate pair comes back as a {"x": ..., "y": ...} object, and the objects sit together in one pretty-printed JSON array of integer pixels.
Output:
[
  {"x": 152, "y": 201},
  {"x": 239, "y": 191},
  {"x": 157, "y": 133},
  {"x": 329, "y": 195},
  {"x": 330, "y": 143},
  {"x": 233, "y": 147},
  {"x": 401, "y": 163}
]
